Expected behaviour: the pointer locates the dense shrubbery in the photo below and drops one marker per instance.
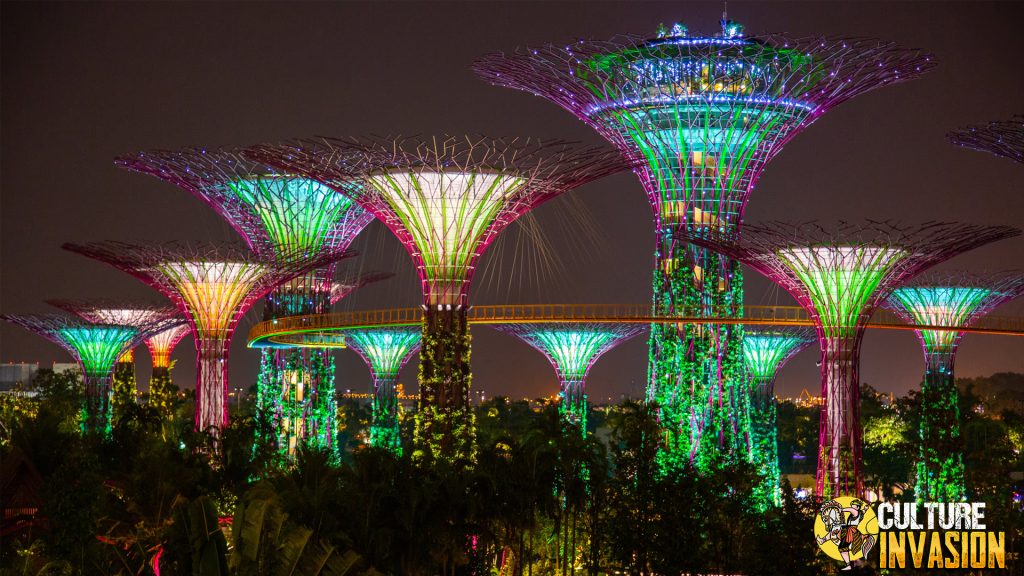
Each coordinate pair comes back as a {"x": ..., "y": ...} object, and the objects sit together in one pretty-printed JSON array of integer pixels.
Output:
[{"x": 539, "y": 500}]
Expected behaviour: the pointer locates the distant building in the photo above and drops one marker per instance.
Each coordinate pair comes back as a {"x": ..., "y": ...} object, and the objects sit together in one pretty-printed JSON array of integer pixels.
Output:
[
  {"x": 61, "y": 367},
  {"x": 12, "y": 375}
]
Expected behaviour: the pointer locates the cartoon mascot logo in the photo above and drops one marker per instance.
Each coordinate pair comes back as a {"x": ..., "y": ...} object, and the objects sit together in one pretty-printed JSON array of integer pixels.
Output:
[{"x": 846, "y": 529}]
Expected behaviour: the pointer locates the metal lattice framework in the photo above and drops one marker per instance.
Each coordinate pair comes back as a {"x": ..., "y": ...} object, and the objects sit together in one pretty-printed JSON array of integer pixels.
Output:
[
  {"x": 947, "y": 299},
  {"x": 1005, "y": 138},
  {"x": 96, "y": 347},
  {"x": 700, "y": 117},
  {"x": 162, "y": 344},
  {"x": 446, "y": 199},
  {"x": 840, "y": 274},
  {"x": 572, "y": 349},
  {"x": 278, "y": 214},
  {"x": 108, "y": 311},
  {"x": 765, "y": 351},
  {"x": 343, "y": 288},
  {"x": 385, "y": 351},
  {"x": 212, "y": 287}
]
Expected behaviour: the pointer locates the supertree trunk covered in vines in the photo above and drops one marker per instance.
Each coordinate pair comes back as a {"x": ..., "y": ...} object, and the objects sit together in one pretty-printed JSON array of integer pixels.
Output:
[
  {"x": 124, "y": 387},
  {"x": 445, "y": 423},
  {"x": 97, "y": 413},
  {"x": 764, "y": 438},
  {"x": 161, "y": 390},
  {"x": 940, "y": 470},
  {"x": 696, "y": 371},
  {"x": 385, "y": 425}
]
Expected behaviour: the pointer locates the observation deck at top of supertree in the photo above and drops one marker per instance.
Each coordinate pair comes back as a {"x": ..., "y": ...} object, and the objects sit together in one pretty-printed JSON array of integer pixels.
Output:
[
  {"x": 840, "y": 275},
  {"x": 213, "y": 287},
  {"x": 446, "y": 199},
  {"x": 765, "y": 350},
  {"x": 956, "y": 300},
  {"x": 96, "y": 346},
  {"x": 385, "y": 351},
  {"x": 700, "y": 116},
  {"x": 572, "y": 349},
  {"x": 1004, "y": 138}
]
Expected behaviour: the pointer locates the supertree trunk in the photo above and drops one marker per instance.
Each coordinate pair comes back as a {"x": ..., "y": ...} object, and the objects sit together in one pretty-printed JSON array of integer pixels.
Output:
[
  {"x": 940, "y": 470},
  {"x": 212, "y": 384},
  {"x": 764, "y": 441},
  {"x": 696, "y": 370},
  {"x": 96, "y": 413},
  {"x": 384, "y": 428},
  {"x": 123, "y": 387},
  {"x": 839, "y": 472},
  {"x": 574, "y": 405},
  {"x": 445, "y": 427},
  {"x": 322, "y": 407},
  {"x": 161, "y": 395}
]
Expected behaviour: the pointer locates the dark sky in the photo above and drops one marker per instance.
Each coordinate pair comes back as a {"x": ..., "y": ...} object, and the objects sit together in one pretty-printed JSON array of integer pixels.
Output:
[{"x": 83, "y": 82}]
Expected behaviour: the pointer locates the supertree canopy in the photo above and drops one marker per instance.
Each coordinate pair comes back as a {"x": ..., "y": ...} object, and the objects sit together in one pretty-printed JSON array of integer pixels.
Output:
[
  {"x": 572, "y": 348},
  {"x": 385, "y": 351},
  {"x": 765, "y": 351},
  {"x": 212, "y": 287},
  {"x": 700, "y": 117},
  {"x": 161, "y": 345},
  {"x": 1005, "y": 138},
  {"x": 96, "y": 347},
  {"x": 278, "y": 215},
  {"x": 954, "y": 300},
  {"x": 445, "y": 199},
  {"x": 840, "y": 275},
  {"x": 123, "y": 383}
]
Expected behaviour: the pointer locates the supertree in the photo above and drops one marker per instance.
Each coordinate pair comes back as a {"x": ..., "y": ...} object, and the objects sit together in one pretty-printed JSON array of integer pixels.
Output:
[
  {"x": 954, "y": 300},
  {"x": 700, "y": 117},
  {"x": 212, "y": 287},
  {"x": 107, "y": 311},
  {"x": 840, "y": 275},
  {"x": 765, "y": 351},
  {"x": 278, "y": 215},
  {"x": 1005, "y": 138},
  {"x": 161, "y": 345},
  {"x": 385, "y": 351},
  {"x": 445, "y": 199},
  {"x": 96, "y": 347},
  {"x": 572, "y": 349}
]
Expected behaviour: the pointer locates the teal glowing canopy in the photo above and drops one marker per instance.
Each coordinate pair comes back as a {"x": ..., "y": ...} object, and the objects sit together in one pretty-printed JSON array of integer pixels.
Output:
[{"x": 385, "y": 350}]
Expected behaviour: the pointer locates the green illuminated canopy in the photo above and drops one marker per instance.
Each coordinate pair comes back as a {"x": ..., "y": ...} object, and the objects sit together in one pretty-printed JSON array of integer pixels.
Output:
[
  {"x": 765, "y": 351},
  {"x": 841, "y": 281},
  {"x": 385, "y": 350},
  {"x": 572, "y": 348},
  {"x": 941, "y": 306},
  {"x": 298, "y": 215},
  {"x": 98, "y": 346}
]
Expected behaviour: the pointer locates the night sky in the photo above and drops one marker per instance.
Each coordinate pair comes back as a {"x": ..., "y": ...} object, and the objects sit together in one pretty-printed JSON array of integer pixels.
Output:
[{"x": 84, "y": 82}]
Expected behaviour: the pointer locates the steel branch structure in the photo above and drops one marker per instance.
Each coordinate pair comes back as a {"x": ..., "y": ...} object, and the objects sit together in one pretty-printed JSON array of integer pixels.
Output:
[
  {"x": 700, "y": 117},
  {"x": 446, "y": 199},
  {"x": 342, "y": 288},
  {"x": 279, "y": 215},
  {"x": 96, "y": 347},
  {"x": 123, "y": 385},
  {"x": 212, "y": 287},
  {"x": 840, "y": 274},
  {"x": 572, "y": 349},
  {"x": 765, "y": 351},
  {"x": 1005, "y": 138},
  {"x": 947, "y": 299},
  {"x": 385, "y": 351},
  {"x": 161, "y": 345}
]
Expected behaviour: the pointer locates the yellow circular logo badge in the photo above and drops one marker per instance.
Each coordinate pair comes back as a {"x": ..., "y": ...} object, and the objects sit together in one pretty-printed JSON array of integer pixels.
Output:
[{"x": 846, "y": 529}]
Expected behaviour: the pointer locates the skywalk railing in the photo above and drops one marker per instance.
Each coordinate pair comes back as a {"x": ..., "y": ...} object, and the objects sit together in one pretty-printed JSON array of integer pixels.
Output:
[{"x": 322, "y": 329}]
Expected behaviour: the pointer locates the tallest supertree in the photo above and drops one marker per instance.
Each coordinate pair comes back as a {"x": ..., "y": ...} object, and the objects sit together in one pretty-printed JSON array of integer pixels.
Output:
[{"x": 700, "y": 117}]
